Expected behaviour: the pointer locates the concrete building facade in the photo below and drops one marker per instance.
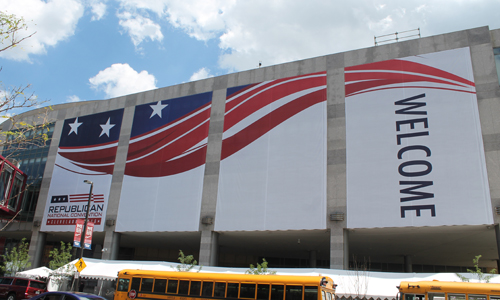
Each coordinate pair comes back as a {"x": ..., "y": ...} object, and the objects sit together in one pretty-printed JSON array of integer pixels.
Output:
[{"x": 306, "y": 175}]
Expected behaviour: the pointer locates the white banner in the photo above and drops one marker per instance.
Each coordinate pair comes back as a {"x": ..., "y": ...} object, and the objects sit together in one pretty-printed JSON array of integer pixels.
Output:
[
  {"x": 273, "y": 165},
  {"x": 414, "y": 147},
  {"x": 163, "y": 181},
  {"x": 86, "y": 152}
]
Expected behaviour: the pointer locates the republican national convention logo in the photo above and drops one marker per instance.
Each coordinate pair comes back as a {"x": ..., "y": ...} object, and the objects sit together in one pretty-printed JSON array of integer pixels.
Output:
[{"x": 66, "y": 209}]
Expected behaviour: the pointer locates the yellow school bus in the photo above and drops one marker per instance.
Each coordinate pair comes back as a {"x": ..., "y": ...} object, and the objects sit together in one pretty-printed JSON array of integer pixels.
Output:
[
  {"x": 445, "y": 290},
  {"x": 171, "y": 285}
]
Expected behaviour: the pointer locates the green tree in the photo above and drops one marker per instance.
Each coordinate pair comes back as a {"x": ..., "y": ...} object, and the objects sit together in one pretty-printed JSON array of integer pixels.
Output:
[
  {"x": 60, "y": 256},
  {"x": 261, "y": 269},
  {"x": 19, "y": 134},
  {"x": 187, "y": 262},
  {"x": 481, "y": 277},
  {"x": 10, "y": 27},
  {"x": 17, "y": 259}
]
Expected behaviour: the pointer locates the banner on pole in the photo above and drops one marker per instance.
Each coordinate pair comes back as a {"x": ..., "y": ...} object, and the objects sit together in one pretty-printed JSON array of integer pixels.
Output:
[
  {"x": 88, "y": 236},
  {"x": 78, "y": 233}
]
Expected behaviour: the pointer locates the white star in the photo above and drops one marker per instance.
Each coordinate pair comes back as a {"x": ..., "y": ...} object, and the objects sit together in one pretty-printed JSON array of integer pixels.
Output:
[
  {"x": 74, "y": 126},
  {"x": 157, "y": 109},
  {"x": 106, "y": 127}
]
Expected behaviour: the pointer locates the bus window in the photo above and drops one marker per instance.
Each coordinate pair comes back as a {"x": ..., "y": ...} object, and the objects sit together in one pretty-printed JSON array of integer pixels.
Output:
[
  {"x": 160, "y": 285},
  {"x": 232, "y": 290},
  {"x": 456, "y": 296},
  {"x": 414, "y": 297},
  {"x": 293, "y": 292},
  {"x": 323, "y": 295},
  {"x": 310, "y": 293},
  {"x": 183, "y": 287},
  {"x": 277, "y": 292},
  {"x": 147, "y": 285},
  {"x": 172, "y": 286},
  {"x": 478, "y": 297},
  {"x": 207, "y": 289},
  {"x": 194, "y": 289},
  {"x": 247, "y": 290},
  {"x": 436, "y": 296},
  {"x": 263, "y": 292},
  {"x": 123, "y": 285},
  {"x": 329, "y": 296},
  {"x": 136, "y": 283},
  {"x": 220, "y": 289},
  {"x": 494, "y": 297}
]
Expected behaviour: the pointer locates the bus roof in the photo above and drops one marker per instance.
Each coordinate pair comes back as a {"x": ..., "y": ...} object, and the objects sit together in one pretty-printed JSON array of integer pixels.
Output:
[
  {"x": 435, "y": 286},
  {"x": 289, "y": 279}
]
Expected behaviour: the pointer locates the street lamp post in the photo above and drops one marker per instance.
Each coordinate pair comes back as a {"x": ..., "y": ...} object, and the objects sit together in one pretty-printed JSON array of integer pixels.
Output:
[{"x": 82, "y": 237}]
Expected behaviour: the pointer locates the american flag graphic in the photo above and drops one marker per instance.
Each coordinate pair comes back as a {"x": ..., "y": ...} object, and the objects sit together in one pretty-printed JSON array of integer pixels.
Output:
[
  {"x": 391, "y": 74},
  {"x": 96, "y": 198},
  {"x": 254, "y": 110},
  {"x": 88, "y": 144},
  {"x": 169, "y": 137}
]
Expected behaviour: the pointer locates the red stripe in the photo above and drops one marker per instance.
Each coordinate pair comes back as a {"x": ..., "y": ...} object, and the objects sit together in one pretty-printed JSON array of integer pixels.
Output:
[
  {"x": 267, "y": 97},
  {"x": 243, "y": 97},
  {"x": 156, "y": 141},
  {"x": 104, "y": 156},
  {"x": 260, "y": 127},
  {"x": 151, "y": 168},
  {"x": 412, "y": 87},
  {"x": 409, "y": 66}
]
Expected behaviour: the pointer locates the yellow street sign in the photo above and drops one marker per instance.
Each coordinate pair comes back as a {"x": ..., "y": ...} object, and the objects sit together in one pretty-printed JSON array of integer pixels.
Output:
[{"x": 80, "y": 265}]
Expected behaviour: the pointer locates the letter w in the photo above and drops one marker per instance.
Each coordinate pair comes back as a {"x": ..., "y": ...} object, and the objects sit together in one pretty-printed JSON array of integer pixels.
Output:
[
  {"x": 407, "y": 110},
  {"x": 410, "y": 190}
]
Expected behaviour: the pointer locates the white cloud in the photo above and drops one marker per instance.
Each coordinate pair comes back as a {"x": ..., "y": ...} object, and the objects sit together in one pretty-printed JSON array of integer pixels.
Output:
[
  {"x": 54, "y": 21},
  {"x": 121, "y": 79},
  {"x": 98, "y": 10},
  {"x": 73, "y": 98},
  {"x": 280, "y": 31},
  {"x": 200, "y": 74},
  {"x": 140, "y": 28}
]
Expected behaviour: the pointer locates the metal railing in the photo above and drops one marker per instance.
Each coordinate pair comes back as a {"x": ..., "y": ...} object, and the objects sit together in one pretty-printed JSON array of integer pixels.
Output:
[{"x": 397, "y": 36}]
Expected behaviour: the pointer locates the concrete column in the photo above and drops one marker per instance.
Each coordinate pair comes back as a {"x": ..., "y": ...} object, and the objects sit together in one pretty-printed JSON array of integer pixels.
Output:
[
  {"x": 312, "y": 259},
  {"x": 37, "y": 243},
  {"x": 408, "y": 264},
  {"x": 336, "y": 190},
  {"x": 209, "y": 248},
  {"x": 337, "y": 249},
  {"x": 497, "y": 236},
  {"x": 209, "y": 242},
  {"x": 346, "y": 249},
  {"x": 111, "y": 245}
]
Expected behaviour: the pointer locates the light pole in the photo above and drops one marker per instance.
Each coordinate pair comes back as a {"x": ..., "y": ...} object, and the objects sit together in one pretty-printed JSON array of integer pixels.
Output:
[{"x": 82, "y": 237}]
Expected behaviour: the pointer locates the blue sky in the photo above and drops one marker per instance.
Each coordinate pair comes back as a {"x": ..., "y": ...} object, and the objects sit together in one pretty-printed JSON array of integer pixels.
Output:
[{"x": 100, "y": 49}]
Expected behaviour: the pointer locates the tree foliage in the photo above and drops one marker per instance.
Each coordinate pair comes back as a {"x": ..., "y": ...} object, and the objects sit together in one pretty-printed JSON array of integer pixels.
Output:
[
  {"x": 10, "y": 27},
  {"x": 60, "y": 256},
  {"x": 17, "y": 259},
  {"x": 187, "y": 262},
  {"x": 261, "y": 269},
  {"x": 16, "y": 134},
  {"x": 481, "y": 277}
]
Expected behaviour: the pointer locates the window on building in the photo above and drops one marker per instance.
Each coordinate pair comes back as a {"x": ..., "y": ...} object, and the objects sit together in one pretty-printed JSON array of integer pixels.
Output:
[{"x": 496, "y": 53}]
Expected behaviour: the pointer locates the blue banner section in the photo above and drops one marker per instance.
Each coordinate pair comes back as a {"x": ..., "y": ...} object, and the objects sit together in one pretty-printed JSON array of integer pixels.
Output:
[
  {"x": 150, "y": 116},
  {"x": 92, "y": 130}
]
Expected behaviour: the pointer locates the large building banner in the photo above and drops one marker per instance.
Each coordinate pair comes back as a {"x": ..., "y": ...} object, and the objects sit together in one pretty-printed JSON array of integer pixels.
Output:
[
  {"x": 273, "y": 161},
  {"x": 414, "y": 147},
  {"x": 163, "y": 181},
  {"x": 86, "y": 151}
]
